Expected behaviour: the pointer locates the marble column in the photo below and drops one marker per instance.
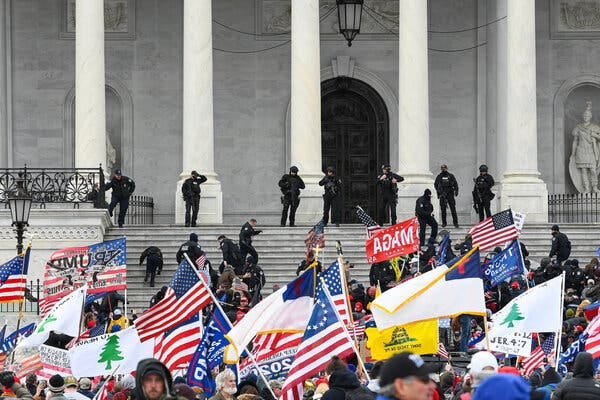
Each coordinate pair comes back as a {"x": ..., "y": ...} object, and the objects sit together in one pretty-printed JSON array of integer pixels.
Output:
[
  {"x": 90, "y": 101},
  {"x": 6, "y": 145},
  {"x": 198, "y": 125},
  {"x": 306, "y": 107},
  {"x": 522, "y": 189},
  {"x": 413, "y": 106}
]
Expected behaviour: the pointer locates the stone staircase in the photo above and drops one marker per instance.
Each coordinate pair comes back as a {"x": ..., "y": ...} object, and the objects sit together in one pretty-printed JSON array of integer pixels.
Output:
[{"x": 280, "y": 249}]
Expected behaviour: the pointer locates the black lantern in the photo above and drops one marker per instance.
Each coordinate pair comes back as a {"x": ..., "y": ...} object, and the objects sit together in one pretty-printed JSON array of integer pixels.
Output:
[
  {"x": 19, "y": 203},
  {"x": 349, "y": 18}
]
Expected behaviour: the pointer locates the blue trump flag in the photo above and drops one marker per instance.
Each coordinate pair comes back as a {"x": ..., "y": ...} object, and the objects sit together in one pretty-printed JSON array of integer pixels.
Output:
[
  {"x": 505, "y": 264},
  {"x": 9, "y": 341},
  {"x": 209, "y": 353},
  {"x": 569, "y": 354},
  {"x": 443, "y": 249}
]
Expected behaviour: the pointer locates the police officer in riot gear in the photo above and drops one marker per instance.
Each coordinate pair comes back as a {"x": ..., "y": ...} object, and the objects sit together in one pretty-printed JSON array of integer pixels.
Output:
[
  {"x": 446, "y": 188},
  {"x": 331, "y": 197},
  {"x": 290, "y": 185},
  {"x": 482, "y": 193},
  {"x": 388, "y": 188},
  {"x": 424, "y": 212},
  {"x": 122, "y": 188},
  {"x": 191, "y": 195}
]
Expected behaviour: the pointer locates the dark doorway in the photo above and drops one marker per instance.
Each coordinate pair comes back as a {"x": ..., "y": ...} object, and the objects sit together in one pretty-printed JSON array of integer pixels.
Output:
[{"x": 355, "y": 140}]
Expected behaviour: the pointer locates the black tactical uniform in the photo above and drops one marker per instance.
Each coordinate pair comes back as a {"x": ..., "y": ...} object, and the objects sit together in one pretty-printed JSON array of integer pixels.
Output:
[
  {"x": 561, "y": 245},
  {"x": 388, "y": 188},
  {"x": 154, "y": 263},
  {"x": 191, "y": 196},
  {"x": 231, "y": 255},
  {"x": 446, "y": 188},
  {"x": 246, "y": 234},
  {"x": 424, "y": 211},
  {"x": 482, "y": 193},
  {"x": 122, "y": 188},
  {"x": 290, "y": 185},
  {"x": 331, "y": 197}
]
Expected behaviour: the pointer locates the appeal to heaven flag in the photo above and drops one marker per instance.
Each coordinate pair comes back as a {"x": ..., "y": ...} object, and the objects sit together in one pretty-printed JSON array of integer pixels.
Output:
[
  {"x": 101, "y": 265},
  {"x": 288, "y": 309},
  {"x": 117, "y": 352},
  {"x": 63, "y": 318},
  {"x": 442, "y": 292},
  {"x": 13, "y": 278},
  {"x": 537, "y": 310},
  {"x": 419, "y": 337}
]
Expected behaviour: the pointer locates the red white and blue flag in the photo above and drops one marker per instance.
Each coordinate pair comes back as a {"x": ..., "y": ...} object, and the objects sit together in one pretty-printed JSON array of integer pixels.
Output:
[
  {"x": 13, "y": 278},
  {"x": 176, "y": 347},
  {"x": 495, "y": 230},
  {"x": 337, "y": 289},
  {"x": 536, "y": 358},
  {"x": 186, "y": 295},
  {"x": 324, "y": 337},
  {"x": 103, "y": 266},
  {"x": 372, "y": 226}
]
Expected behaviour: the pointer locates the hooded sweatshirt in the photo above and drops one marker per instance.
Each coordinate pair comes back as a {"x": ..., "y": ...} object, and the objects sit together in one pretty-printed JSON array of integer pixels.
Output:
[
  {"x": 583, "y": 386},
  {"x": 339, "y": 383},
  {"x": 152, "y": 364}
]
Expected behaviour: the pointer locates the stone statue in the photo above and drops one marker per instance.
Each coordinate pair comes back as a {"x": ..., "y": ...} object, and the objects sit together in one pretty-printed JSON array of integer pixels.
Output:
[
  {"x": 111, "y": 155},
  {"x": 585, "y": 153}
]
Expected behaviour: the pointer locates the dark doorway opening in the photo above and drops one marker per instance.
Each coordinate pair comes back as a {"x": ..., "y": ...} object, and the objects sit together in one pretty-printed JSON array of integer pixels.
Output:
[{"x": 354, "y": 140}]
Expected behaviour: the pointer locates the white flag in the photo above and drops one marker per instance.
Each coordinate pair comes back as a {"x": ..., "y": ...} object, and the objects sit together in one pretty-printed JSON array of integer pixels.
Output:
[
  {"x": 537, "y": 310},
  {"x": 117, "y": 352},
  {"x": 64, "y": 317}
]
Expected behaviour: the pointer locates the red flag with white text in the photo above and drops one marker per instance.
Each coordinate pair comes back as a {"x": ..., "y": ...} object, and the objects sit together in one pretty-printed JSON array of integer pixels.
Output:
[{"x": 397, "y": 240}]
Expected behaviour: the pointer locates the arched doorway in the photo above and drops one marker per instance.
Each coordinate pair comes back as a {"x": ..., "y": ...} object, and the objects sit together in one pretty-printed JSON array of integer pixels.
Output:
[{"x": 355, "y": 140}]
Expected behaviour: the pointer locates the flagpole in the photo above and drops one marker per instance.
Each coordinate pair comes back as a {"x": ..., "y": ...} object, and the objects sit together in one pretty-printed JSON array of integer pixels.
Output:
[
  {"x": 218, "y": 305},
  {"x": 360, "y": 361},
  {"x": 523, "y": 261},
  {"x": 20, "y": 317},
  {"x": 559, "y": 331},
  {"x": 487, "y": 336},
  {"x": 340, "y": 261}
]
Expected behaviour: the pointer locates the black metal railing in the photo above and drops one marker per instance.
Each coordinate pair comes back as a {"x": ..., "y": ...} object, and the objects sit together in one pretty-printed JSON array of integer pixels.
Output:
[
  {"x": 580, "y": 208},
  {"x": 30, "y": 305},
  {"x": 55, "y": 185},
  {"x": 140, "y": 211}
]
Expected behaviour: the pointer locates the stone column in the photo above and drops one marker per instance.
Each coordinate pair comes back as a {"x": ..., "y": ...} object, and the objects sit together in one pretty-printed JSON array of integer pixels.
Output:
[
  {"x": 522, "y": 189},
  {"x": 413, "y": 110},
  {"x": 6, "y": 146},
  {"x": 306, "y": 107},
  {"x": 198, "y": 124},
  {"x": 90, "y": 102}
]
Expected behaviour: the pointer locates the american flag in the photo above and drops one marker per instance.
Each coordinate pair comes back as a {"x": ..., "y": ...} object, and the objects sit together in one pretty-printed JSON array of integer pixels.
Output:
[
  {"x": 369, "y": 222},
  {"x": 267, "y": 344},
  {"x": 97, "y": 330},
  {"x": 13, "y": 278},
  {"x": 316, "y": 236},
  {"x": 2, "y": 353},
  {"x": 176, "y": 347},
  {"x": 201, "y": 261},
  {"x": 592, "y": 344},
  {"x": 442, "y": 352},
  {"x": 324, "y": 337},
  {"x": 536, "y": 358},
  {"x": 335, "y": 284},
  {"x": 186, "y": 295},
  {"x": 102, "y": 394},
  {"x": 492, "y": 231},
  {"x": 28, "y": 365}
]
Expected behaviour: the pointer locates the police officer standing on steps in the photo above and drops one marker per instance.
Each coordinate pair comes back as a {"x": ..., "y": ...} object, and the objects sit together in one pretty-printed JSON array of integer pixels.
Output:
[
  {"x": 424, "y": 212},
  {"x": 122, "y": 188},
  {"x": 290, "y": 185},
  {"x": 388, "y": 188},
  {"x": 331, "y": 197},
  {"x": 482, "y": 193},
  {"x": 191, "y": 196},
  {"x": 446, "y": 188}
]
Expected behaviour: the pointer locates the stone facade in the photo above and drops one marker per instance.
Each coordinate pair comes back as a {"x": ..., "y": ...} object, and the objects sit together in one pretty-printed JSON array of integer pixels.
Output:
[{"x": 144, "y": 65}]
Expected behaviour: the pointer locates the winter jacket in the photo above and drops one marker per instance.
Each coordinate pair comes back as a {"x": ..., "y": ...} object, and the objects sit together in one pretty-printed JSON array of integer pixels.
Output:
[
  {"x": 561, "y": 246},
  {"x": 121, "y": 188},
  {"x": 339, "y": 383},
  {"x": 20, "y": 392},
  {"x": 583, "y": 386},
  {"x": 152, "y": 364}
]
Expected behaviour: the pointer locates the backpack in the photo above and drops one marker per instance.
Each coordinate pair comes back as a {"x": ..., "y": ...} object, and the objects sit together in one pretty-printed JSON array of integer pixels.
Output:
[{"x": 359, "y": 393}]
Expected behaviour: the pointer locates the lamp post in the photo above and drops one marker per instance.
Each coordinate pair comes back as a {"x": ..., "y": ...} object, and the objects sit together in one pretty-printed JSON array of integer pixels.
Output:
[
  {"x": 19, "y": 203},
  {"x": 349, "y": 18}
]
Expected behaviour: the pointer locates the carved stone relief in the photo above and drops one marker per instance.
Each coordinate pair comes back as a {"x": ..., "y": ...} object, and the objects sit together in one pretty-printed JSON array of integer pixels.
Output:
[
  {"x": 119, "y": 19},
  {"x": 379, "y": 17},
  {"x": 575, "y": 19}
]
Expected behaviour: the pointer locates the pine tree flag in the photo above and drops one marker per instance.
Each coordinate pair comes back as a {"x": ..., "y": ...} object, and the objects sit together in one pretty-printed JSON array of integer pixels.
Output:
[{"x": 117, "y": 352}]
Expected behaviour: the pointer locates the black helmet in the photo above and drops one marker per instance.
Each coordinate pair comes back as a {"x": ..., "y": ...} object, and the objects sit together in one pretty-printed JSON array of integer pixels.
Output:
[
  {"x": 330, "y": 169},
  {"x": 386, "y": 166},
  {"x": 294, "y": 169},
  {"x": 483, "y": 168}
]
